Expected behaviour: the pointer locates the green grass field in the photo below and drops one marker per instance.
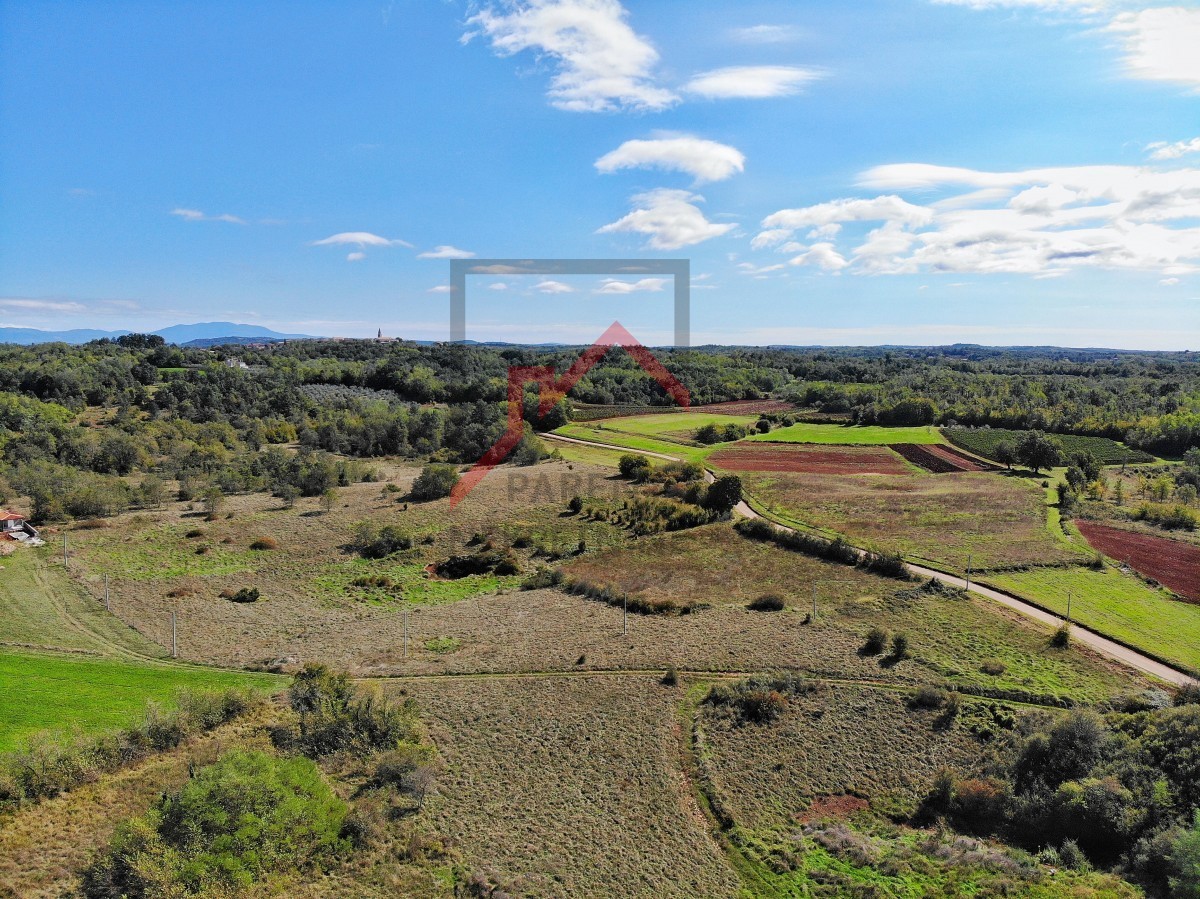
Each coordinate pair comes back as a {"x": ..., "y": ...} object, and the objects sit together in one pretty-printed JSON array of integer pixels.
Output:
[
  {"x": 607, "y": 433},
  {"x": 1115, "y": 604},
  {"x": 851, "y": 435},
  {"x": 43, "y": 691},
  {"x": 677, "y": 424}
]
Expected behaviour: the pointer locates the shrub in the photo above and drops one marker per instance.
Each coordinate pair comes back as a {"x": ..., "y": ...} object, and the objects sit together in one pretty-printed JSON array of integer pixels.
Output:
[
  {"x": 264, "y": 543},
  {"x": 193, "y": 533},
  {"x": 482, "y": 562},
  {"x": 993, "y": 667},
  {"x": 373, "y": 542},
  {"x": 239, "y": 820},
  {"x": 876, "y": 642},
  {"x": 246, "y": 594},
  {"x": 575, "y": 506},
  {"x": 760, "y": 699},
  {"x": 434, "y": 482},
  {"x": 335, "y": 717},
  {"x": 670, "y": 677},
  {"x": 543, "y": 577},
  {"x": 900, "y": 647},
  {"x": 928, "y": 697},
  {"x": 1061, "y": 638},
  {"x": 768, "y": 602},
  {"x": 723, "y": 494},
  {"x": 633, "y": 466}
]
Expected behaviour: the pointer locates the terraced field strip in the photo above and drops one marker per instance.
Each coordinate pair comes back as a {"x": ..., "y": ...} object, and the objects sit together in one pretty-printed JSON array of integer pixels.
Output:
[
  {"x": 941, "y": 458},
  {"x": 1173, "y": 564},
  {"x": 850, "y": 435},
  {"x": 800, "y": 457}
]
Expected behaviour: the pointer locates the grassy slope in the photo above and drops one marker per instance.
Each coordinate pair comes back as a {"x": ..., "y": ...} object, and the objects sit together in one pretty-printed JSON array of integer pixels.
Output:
[
  {"x": 1115, "y": 604},
  {"x": 58, "y": 692}
]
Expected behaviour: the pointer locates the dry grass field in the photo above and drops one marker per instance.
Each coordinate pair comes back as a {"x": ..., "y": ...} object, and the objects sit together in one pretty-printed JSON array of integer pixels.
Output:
[
  {"x": 1000, "y": 521},
  {"x": 571, "y": 787},
  {"x": 838, "y": 741}
]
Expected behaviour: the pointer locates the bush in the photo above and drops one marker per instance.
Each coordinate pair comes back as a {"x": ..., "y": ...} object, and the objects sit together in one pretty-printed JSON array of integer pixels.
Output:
[
  {"x": 239, "y": 820},
  {"x": 335, "y": 717},
  {"x": 575, "y": 506},
  {"x": 993, "y": 667},
  {"x": 723, "y": 494},
  {"x": 761, "y": 699},
  {"x": 373, "y": 542},
  {"x": 543, "y": 577},
  {"x": 434, "y": 482},
  {"x": 876, "y": 642},
  {"x": 928, "y": 698},
  {"x": 483, "y": 562},
  {"x": 768, "y": 602},
  {"x": 264, "y": 543},
  {"x": 634, "y": 466},
  {"x": 900, "y": 647},
  {"x": 1061, "y": 638},
  {"x": 670, "y": 677},
  {"x": 246, "y": 594}
]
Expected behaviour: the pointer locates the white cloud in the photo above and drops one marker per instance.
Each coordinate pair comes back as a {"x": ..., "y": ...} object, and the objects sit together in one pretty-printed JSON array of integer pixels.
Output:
[
  {"x": 445, "y": 251},
  {"x": 613, "y": 285},
  {"x": 440, "y": 288},
  {"x": 356, "y": 256},
  {"x": 822, "y": 255},
  {"x": 764, "y": 34},
  {"x": 195, "y": 215},
  {"x": 753, "y": 82},
  {"x": 1161, "y": 44},
  {"x": 28, "y": 305},
  {"x": 499, "y": 285},
  {"x": 358, "y": 239},
  {"x": 670, "y": 218},
  {"x": 602, "y": 63},
  {"x": 1041, "y": 222},
  {"x": 749, "y": 268},
  {"x": 1169, "y": 282},
  {"x": 1162, "y": 150},
  {"x": 704, "y": 160},
  {"x": 553, "y": 287}
]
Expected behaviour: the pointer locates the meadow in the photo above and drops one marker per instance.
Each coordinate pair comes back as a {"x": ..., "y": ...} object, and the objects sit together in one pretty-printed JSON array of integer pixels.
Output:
[
  {"x": 1116, "y": 604},
  {"x": 89, "y": 694},
  {"x": 852, "y": 435}
]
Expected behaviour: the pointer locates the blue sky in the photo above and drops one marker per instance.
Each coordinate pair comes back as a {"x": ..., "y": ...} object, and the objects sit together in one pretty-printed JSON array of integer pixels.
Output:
[{"x": 910, "y": 171}]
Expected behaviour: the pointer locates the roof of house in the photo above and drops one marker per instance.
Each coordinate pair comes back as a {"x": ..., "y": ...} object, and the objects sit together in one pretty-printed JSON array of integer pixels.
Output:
[{"x": 10, "y": 516}]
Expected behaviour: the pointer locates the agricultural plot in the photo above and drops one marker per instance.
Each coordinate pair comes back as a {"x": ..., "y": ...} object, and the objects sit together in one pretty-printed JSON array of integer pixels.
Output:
[
  {"x": 940, "y": 459},
  {"x": 1117, "y": 605},
  {"x": 608, "y": 433},
  {"x": 315, "y": 595},
  {"x": 983, "y": 442},
  {"x": 90, "y": 694},
  {"x": 805, "y": 432},
  {"x": 1173, "y": 564},
  {"x": 839, "y": 741},
  {"x": 570, "y": 787},
  {"x": 747, "y": 407},
  {"x": 680, "y": 426},
  {"x": 800, "y": 457},
  {"x": 999, "y": 521}
]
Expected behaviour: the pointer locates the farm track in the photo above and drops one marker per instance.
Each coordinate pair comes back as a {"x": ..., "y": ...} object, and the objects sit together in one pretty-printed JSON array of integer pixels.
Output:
[{"x": 1092, "y": 639}]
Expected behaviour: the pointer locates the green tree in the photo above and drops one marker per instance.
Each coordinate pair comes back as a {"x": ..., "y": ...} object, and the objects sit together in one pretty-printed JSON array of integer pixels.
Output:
[
  {"x": 1006, "y": 453},
  {"x": 723, "y": 494},
  {"x": 434, "y": 482},
  {"x": 1038, "y": 450},
  {"x": 1185, "y": 862}
]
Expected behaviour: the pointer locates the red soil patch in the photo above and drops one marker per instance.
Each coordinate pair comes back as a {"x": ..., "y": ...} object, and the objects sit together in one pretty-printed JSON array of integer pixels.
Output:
[
  {"x": 757, "y": 456},
  {"x": 824, "y": 808},
  {"x": 1173, "y": 564},
  {"x": 746, "y": 407},
  {"x": 941, "y": 459}
]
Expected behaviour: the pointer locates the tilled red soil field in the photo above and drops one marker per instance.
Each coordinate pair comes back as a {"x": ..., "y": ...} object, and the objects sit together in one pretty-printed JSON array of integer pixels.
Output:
[
  {"x": 940, "y": 459},
  {"x": 1173, "y": 564},
  {"x": 807, "y": 458}
]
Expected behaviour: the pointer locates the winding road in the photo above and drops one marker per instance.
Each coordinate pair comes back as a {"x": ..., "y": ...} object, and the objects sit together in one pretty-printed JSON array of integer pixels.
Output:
[{"x": 1097, "y": 642}]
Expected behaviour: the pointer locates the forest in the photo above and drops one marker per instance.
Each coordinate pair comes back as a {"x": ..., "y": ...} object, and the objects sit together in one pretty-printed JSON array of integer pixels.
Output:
[{"x": 77, "y": 421}]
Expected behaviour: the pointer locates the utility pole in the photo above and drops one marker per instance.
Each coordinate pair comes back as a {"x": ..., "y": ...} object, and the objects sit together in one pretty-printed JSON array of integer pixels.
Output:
[
  {"x": 1068, "y": 607},
  {"x": 174, "y": 640},
  {"x": 968, "y": 573}
]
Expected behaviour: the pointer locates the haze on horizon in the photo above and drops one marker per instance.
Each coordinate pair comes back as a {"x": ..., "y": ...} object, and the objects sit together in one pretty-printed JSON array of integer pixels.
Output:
[{"x": 1001, "y": 172}]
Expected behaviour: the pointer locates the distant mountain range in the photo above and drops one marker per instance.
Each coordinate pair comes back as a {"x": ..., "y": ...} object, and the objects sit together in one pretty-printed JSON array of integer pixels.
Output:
[{"x": 199, "y": 334}]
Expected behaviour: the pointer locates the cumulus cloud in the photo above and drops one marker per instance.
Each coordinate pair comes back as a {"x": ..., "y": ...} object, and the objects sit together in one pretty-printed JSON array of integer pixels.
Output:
[
  {"x": 751, "y": 82},
  {"x": 601, "y": 63},
  {"x": 669, "y": 218},
  {"x": 1161, "y": 44},
  {"x": 356, "y": 256},
  {"x": 498, "y": 285},
  {"x": 549, "y": 286},
  {"x": 616, "y": 286},
  {"x": 1164, "y": 151},
  {"x": 704, "y": 160},
  {"x": 440, "y": 288},
  {"x": 195, "y": 215},
  {"x": 445, "y": 251},
  {"x": 1041, "y": 222}
]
